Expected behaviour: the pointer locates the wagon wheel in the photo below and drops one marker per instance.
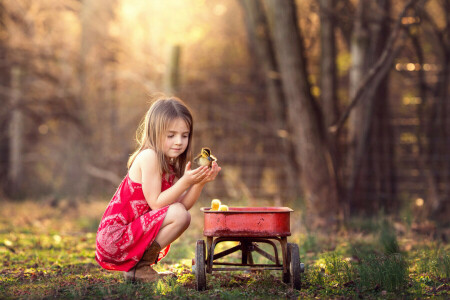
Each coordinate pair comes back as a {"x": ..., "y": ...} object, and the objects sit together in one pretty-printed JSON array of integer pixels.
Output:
[
  {"x": 294, "y": 264},
  {"x": 287, "y": 275},
  {"x": 287, "y": 263},
  {"x": 200, "y": 275}
]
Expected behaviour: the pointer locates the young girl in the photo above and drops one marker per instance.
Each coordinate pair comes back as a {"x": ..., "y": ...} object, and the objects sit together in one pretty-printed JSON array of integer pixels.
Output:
[{"x": 150, "y": 208}]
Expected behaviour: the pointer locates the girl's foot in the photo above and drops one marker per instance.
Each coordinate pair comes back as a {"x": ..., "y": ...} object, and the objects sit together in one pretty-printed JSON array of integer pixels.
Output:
[{"x": 142, "y": 272}]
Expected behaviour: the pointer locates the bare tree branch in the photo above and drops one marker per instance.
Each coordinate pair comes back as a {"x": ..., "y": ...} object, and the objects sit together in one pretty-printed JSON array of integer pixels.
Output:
[
  {"x": 379, "y": 69},
  {"x": 102, "y": 174}
]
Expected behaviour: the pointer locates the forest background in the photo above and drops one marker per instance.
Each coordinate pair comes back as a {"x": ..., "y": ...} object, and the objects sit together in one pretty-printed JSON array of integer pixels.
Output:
[
  {"x": 342, "y": 105},
  {"x": 337, "y": 108}
]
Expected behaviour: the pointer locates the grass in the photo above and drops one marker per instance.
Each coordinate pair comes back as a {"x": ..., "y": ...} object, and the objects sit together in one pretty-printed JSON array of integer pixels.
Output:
[
  {"x": 385, "y": 272},
  {"x": 435, "y": 262},
  {"x": 47, "y": 251}
]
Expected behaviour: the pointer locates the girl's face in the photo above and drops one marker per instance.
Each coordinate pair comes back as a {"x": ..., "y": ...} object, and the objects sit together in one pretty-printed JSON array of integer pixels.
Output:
[{"x": 176, "y": 138}]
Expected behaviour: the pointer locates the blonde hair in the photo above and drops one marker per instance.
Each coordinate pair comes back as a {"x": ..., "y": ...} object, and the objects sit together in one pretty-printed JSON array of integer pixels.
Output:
[{"x": 151, "y": 131}]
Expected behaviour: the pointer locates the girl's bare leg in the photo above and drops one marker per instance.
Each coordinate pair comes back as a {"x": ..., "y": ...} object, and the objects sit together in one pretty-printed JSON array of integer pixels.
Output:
[{"x": 177, "y": 220}]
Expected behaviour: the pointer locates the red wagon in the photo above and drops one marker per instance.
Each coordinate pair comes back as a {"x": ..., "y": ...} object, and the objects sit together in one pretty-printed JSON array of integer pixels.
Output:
[{"x": 249, "y": 226}]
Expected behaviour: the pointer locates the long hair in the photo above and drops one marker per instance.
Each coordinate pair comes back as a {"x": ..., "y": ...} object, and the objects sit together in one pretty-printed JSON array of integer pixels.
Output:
[{"x": 152, "y": 130}]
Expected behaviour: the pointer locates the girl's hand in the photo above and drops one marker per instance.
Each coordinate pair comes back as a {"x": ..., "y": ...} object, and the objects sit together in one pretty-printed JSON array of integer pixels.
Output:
[
  {"x": 212, "y": 173},
  {"x": 194, "y": 176}
]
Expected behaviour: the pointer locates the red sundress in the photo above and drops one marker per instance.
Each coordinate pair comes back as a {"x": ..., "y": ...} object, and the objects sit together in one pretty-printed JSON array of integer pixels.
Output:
[{"x": 129, "y": 226}]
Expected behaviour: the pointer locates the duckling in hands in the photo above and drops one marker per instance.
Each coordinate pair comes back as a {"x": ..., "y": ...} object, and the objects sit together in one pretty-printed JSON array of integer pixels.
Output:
[{"x": 205, "y": 158}]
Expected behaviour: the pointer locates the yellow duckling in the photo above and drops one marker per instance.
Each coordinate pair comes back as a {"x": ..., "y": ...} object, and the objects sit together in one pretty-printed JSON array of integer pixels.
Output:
[
  {"x": 215, "y": 204},
  {"x": 205, "y": 158},
  {"x": 223, "y": 207}
]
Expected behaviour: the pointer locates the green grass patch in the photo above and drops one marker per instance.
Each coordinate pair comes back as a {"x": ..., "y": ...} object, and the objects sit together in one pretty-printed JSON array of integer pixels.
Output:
[
  {"x": 388, "y": 239},
  {"x": 383, "y": 272},
  {"x": 435, "y": 262},
  {"x": 46, "y": 252}
]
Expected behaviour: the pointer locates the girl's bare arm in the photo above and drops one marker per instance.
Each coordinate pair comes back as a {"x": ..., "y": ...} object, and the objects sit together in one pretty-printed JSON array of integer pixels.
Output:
[
  {"x": 189, "y": 198},
  {"x": 151, "y": 182}
]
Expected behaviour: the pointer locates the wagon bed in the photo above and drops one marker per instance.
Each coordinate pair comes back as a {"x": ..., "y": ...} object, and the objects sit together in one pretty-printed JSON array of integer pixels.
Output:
[{"x": 250, "y": 226}]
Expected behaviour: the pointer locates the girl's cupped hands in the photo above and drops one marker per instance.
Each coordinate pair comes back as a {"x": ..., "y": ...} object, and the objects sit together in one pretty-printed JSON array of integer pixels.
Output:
[
  {"x": 201, "y": 175},
  {"x": 195, "y": 176},
  {"x": 212, "y": 173}
]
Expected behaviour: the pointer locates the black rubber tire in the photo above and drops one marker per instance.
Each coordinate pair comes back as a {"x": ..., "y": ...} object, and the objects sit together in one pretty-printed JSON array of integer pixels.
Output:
[
  {"x": 200, "y": 270},
  {"x": 294, "y": 265},
  {"x": 287, "y": 276}
]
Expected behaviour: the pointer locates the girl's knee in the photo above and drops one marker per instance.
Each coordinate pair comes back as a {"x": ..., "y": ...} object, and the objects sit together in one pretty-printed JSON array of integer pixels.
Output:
[
  {"x": 183, "y": 216},
  {"x": 178, "y": 206},
  {"x": 180, "y": 214},
  {"x": 187, "y": 219}
]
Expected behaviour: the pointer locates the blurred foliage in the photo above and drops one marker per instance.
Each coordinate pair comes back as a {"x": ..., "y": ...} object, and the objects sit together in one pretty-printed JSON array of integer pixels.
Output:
[{"x": 87, "y": 71}]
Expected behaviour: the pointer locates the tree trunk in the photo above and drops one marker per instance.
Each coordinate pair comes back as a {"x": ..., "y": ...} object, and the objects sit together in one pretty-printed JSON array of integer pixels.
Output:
[
  {"x": 5, "y": 83},
  {"x": 439, "y": 127},
  {"x": 344, "y": 13},
  {"x": 79, "y": 148},
  {"x": 380, "y": 170},
  {"x": 95, "y": 54},
  {"x": 328, "y": 66},
  {"x": 258, "y": 29},
  {"x": 171, "y": 77},
  {"x": 16, "y": 140},
  {"x": 328, "y": 77},
  {"x": 423, "y": 159},
  {"x": 358, "y": 48},
  {"x": 371, "y": 180},
  {"x": 318, "y": 177}
]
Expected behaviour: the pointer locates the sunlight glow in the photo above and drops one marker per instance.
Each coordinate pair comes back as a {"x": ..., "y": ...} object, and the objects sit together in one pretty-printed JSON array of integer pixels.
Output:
[
  {"x": 419, "y": 202},
  {"x": 57, "y": 238},
  {"x": 220, "y": 9},
  {"x": 408, "y": 138},
  {"x": 410, "y": 100},
  {"x": 410, "y": 20},
  {"x": 157, "y": 25},
  {"x": 43, "y": 129},
  {"x": 410, "y": 67},
  {"x": 415, "y": 67}
]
